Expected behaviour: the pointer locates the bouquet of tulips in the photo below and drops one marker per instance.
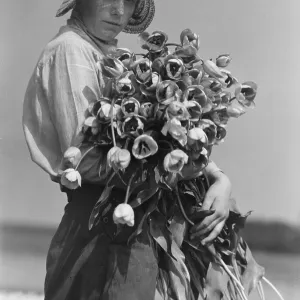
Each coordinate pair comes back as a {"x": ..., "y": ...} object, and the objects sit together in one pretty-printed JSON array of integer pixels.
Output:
[{"x": 159, "y": 117}]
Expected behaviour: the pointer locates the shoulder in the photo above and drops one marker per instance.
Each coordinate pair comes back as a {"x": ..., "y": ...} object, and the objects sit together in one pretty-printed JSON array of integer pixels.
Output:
[{"x": 69, "y": 45}]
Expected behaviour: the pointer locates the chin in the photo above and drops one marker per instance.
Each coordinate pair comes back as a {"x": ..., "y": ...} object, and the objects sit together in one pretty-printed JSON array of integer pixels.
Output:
[{"x": 108, "y": 34}]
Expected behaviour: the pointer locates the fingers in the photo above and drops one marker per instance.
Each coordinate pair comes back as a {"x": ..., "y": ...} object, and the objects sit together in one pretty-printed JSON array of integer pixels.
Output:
[
  {"x": 213, "y": 235},
  {"x": 205, "y": 223},
  {"x": 206, "y": 228},
  {"x": 210, "y": 197}
]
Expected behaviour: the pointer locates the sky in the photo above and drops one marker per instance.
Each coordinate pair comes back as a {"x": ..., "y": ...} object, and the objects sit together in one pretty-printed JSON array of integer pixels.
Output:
[{"x": 261, "y": 151}]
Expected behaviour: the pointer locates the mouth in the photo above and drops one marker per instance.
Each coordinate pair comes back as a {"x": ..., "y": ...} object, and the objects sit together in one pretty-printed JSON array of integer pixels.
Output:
[{"x": 113, "y": 23}]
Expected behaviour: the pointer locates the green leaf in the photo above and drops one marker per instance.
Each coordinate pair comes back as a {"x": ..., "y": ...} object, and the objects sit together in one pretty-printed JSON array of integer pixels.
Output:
[
  {"x": 196, "y": 274},
  {"x": 102, "y": 200},
  {"x": 253, "y": 272},
  {"x": 143, "y": 196},
  {"x": 178, "y": 227},
  {"x": 151, "y": 207},
  {"x": 160, "y": 232},
  {"x": 179, "y": 276},
  {"x": 216, "y": 282}
]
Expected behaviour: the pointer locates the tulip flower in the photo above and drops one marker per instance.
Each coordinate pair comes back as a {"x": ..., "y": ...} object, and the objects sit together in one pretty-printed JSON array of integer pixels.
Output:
[
  {"x": 195, "y": 93},
  {"x": 104, "y": 114},
  {"x": 196, "y": 76},
  {"x": 194, "y": 109},
  {"x": 130, "y": 106},
  {"x": 149, "y": 88},
  {"x": 167, "y": 91},
  {"x": 187, "y": 37},
  {"x": 154, "y": 42},
  {"x": 132, "y": 126},
  {"x": 223, "y": 60},
  {"x": 210, "y": 129},
  {"x": 221, "y": 133},
  {"x": 196, "y": 139},
  {"x": 147, "y": 110},
  {"x": 235, "y": 109},
  {"x": 225, "y": 98},
  {"x": 91, "y": 123},
  {"x": 123, "y": 83},
  {"x": 111, "y": 67},
  {"x": 94, "y": 107},
  {"x": 71, "y": 179},
  {"x": 71, "y": 157},
  {"x": 229, "y": 79},
  {"x": 174, "y": 128},
  {"x": 175, "y": 161},
  {"x": 142, "y": 70},
  {"x": 177, "y": 110},
  {"x": 144, "y": 146},
  {"x": 187, "y": 53},
  {"x": 125, "y": 56},
  {"x": 118, "y": 159},
  {"x": 246, "y": 92},
  {"x": 158, "y": 65},
  {"x": 174, "y": 67},
  {"x": 220, "y": 116},
  {"x": 212, "y": 70},
  {"x": 199, "y": 161},
  {"x": 124, "y": 214}
]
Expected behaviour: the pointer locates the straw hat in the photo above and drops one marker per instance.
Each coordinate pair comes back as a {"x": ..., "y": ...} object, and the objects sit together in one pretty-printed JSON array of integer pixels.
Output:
[{"x": 141, "y": 19}]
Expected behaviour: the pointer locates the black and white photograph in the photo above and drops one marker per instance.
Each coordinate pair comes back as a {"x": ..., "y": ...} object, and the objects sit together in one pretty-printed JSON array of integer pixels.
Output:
[{"x": 149, "y": 150}]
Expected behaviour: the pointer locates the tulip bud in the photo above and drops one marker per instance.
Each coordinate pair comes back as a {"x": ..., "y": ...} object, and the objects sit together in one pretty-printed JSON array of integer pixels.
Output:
[
  {"x": 71, "y": 157},
  {"x": 147, "y": 110},
  {"x": 112, "y": 67},
  {"x": 196, "y": 139},
  {"x": 118, "y": 159},
  {"x": 71, "y": 179},
  {"x": 105, "y": 112},
  {"x": 124, "y": 214},
  {"x": 154, "y": 42},
  {"x": 212, "y": 69},
  {"x": 175, "y": 160},
  {"x": 123, "y": 84},
  {"x": 223, "y": 60},
  {"x": 177, "y": 110}
]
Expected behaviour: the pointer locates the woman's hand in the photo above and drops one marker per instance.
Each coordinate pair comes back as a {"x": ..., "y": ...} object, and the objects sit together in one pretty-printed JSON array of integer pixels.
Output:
[{"x": 216, "y": 199}]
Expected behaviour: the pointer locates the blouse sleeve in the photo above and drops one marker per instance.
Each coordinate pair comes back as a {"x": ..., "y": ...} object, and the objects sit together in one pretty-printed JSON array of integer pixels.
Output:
[{"x": 55, "y": 107}]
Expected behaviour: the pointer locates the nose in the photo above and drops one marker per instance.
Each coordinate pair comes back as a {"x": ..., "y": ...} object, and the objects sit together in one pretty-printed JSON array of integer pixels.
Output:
[{"x": 118, "y": 7}]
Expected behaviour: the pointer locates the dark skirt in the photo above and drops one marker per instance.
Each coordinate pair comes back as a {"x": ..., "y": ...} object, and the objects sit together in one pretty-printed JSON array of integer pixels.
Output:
[{"x": 99, "y": 264}]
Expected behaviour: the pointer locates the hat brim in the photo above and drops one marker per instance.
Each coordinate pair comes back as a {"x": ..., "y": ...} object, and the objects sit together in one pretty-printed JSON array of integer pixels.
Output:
[{"x": 138, "y": 23}]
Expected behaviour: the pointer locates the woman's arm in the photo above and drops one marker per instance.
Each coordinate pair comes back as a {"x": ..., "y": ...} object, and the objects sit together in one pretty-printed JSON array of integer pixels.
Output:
[
  {"x": 59, "y": 93},
  {"x": 217, "y": 199}
]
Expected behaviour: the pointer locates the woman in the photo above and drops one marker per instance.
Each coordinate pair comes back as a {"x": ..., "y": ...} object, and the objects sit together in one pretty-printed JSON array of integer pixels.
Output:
[{"x": 96, "y": 264}]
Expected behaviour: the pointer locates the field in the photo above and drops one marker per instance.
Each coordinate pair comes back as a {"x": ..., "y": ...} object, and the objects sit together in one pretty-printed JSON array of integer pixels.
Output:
[{"x": 22, "y": 267}]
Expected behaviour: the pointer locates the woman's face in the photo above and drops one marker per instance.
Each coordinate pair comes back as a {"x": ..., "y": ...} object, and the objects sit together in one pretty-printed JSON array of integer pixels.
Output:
[{"x": 107, "y": 18}]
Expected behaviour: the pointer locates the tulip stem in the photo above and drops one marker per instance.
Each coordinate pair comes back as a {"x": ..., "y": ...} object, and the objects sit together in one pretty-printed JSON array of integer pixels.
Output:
[
  {"x": 182, "y": 209},
  {"x": 84, "y": 155},
  {"x": 112, "y": 121},
  {"x": 273, "y": 287},
  {"x": 126, "y": 143},
  {"x": 128, "y": 188}
]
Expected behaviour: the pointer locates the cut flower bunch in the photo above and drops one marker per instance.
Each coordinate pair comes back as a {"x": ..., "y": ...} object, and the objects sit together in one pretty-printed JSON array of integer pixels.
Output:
[{"x": 158, "y": 120}]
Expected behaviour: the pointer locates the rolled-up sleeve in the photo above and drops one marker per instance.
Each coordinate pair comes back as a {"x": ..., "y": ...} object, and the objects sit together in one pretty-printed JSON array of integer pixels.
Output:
[{"x": 55, "y": 107}]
